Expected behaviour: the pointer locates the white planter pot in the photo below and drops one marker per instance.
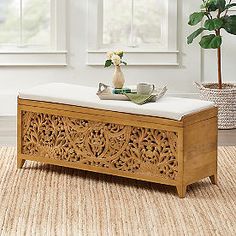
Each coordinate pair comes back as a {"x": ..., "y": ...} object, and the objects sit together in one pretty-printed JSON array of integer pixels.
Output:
[{"x": 225, "y": 100}]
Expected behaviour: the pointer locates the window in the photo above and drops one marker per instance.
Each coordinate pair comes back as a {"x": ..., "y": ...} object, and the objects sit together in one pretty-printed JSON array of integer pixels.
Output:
[
  {"x": 30, "y": 33},
  {"x": 135, "y": 23},
  {"x": 135, "y": 26}
]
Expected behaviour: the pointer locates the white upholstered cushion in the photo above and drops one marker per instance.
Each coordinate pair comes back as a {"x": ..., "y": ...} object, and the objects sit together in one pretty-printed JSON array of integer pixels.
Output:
[{"x": 167, "y": 107}]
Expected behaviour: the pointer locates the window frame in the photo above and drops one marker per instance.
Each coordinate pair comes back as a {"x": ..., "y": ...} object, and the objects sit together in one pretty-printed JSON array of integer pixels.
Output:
[
  {"x": 56, "y": 55},
  {"x": 136, "y": 56}
]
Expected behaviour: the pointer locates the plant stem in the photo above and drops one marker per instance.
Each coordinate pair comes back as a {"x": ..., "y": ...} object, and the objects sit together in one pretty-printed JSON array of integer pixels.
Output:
[
  {"x": 219, "y": 68},
  {"x": 219, "y": 57}
]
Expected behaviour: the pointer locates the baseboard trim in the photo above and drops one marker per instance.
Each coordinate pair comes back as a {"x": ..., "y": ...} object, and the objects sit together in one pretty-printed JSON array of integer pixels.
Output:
[{"x": 185, "y": 95}]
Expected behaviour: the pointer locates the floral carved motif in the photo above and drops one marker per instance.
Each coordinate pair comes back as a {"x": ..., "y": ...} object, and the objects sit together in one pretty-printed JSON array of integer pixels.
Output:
[{"x": 125, "y": 148}]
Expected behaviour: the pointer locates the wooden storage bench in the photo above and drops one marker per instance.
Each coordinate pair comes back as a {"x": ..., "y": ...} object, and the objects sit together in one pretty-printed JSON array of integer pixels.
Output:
[{"x": 150, "y": 148}]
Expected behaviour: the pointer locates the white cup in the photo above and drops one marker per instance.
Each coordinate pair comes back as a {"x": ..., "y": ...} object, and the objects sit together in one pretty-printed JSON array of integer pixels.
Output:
[{"x": 145, "y": 89}]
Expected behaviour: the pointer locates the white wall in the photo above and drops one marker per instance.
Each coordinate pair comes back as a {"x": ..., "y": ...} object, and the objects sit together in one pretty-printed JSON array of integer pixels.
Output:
[
  {"x": 178, "y": 79},
  {"x": 228, "y": 60}
]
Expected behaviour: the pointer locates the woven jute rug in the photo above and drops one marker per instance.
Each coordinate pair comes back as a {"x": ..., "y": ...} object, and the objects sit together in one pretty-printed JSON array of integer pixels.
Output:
[{"x": 48, "y": 200}]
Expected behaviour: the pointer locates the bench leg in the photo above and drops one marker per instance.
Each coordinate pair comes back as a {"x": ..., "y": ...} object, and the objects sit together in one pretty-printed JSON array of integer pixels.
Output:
[
  {"x": 181, "y": 190},
  {"x": 20, "y": 163},
  {"x": 213, "y": 179}
]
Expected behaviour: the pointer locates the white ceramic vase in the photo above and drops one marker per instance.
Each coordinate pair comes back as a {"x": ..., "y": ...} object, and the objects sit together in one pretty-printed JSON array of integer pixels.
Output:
[{"x": 118, "y": 78}]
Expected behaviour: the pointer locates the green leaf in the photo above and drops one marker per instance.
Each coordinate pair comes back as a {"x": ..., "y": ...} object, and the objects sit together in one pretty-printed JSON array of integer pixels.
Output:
[
  {"x": 192, "y": 36},
  {"x": 211, "y": 41},
  {"x": 211, "y": 5},
  {"x": 213, "y": 24},
  {"x": 220, "y": 4},
  {"x": 228, "y": 6},
  {"x": 230, "y": 24},
  {"x": 124, "y": 63},
  {"x": 121, "y": 55},
  {"x": 108, "y": 63},
  {"x": 195, "y": 18}
]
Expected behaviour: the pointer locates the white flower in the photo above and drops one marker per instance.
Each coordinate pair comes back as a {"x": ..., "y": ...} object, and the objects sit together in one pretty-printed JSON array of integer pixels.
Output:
[
  {"x": 119, "y": 53},
  {"x": 109, "y": 55},
  {"x": 116, "y": 60}
]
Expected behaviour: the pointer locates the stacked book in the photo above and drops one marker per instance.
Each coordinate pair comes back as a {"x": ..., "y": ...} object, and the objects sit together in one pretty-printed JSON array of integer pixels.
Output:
[{"x": 121, "y": 91}]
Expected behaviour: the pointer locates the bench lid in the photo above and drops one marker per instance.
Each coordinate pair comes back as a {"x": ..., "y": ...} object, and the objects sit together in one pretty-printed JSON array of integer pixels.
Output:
[{"x": 71, "y": 94}]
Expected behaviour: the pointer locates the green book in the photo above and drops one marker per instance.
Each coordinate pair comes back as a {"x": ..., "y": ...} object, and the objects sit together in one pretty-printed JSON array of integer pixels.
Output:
[{"x": 121, "y": 91}]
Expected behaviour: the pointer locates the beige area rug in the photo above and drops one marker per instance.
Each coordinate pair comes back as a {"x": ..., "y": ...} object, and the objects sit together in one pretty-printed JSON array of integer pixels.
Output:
[{"x": 48, "y": 200}]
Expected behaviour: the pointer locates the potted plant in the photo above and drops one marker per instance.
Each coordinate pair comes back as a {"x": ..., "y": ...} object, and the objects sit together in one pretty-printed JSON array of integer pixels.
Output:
[{"x": 214, "y": 17}]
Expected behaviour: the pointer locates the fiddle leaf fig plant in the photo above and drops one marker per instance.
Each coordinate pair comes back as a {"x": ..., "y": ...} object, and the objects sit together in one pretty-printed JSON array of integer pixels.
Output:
[{"x": 214, "y": 16}]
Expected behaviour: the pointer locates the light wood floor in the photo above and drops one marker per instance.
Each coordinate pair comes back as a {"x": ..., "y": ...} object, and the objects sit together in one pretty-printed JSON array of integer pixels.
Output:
[{"x": 8, "y": 133}]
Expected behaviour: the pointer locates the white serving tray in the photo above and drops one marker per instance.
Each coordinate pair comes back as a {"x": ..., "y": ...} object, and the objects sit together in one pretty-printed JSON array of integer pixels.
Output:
[
  {"x": 106, "y": 93},
  {"x": 104, "y": 96}
]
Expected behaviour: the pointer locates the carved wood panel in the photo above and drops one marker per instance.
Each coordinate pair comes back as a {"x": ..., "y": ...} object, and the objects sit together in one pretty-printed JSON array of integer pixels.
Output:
[{"x": 125, "y": 148}]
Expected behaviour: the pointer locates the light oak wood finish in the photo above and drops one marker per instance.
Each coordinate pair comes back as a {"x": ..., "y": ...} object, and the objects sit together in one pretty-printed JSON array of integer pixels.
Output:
[
  {"x": 8, "y": 133},
  {"x": 147, "y": 148},
  {"x": 200, "y": 151}
]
